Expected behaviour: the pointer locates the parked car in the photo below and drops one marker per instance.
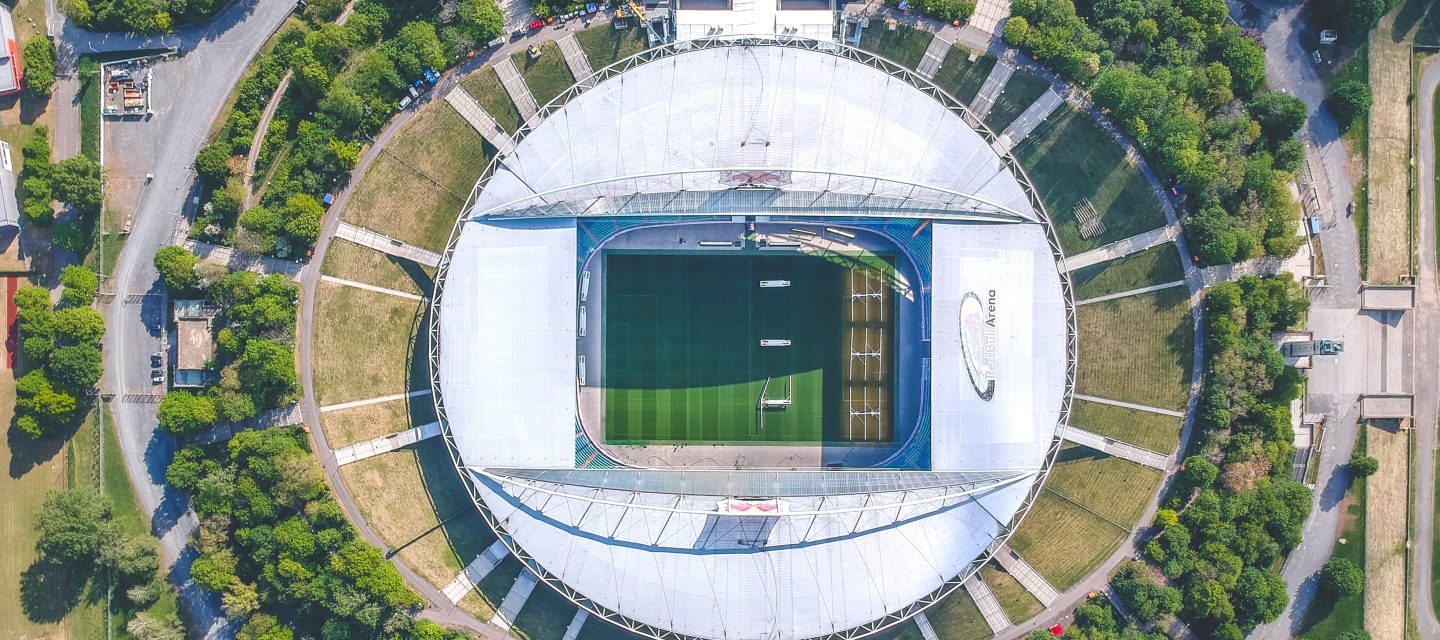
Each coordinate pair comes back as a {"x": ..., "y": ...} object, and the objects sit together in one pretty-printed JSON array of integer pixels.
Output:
[
  {"x": 536, "y": 24},
  {"x": 157, "y": 376},
  {"x": 157, "y": 359}
]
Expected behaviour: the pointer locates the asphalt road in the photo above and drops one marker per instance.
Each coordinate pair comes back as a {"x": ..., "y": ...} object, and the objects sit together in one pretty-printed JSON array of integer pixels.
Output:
[
  {"x": 190, "y": 92},
  {"x": 1423, "y": 549}
]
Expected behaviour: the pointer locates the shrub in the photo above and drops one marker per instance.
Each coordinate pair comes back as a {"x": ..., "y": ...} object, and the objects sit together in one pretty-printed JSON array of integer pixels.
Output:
[
  {"x": 1350, "y": 100},
  {"x": 1342, "y": 577},
  {"x": 1362, "y": 465},
  {"x": 40, "y": 65},
  {"x": 177, "y": 269}
]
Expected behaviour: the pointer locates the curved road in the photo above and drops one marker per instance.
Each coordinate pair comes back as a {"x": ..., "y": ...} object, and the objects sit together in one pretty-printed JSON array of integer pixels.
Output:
[{"x": 191, "y": 90}]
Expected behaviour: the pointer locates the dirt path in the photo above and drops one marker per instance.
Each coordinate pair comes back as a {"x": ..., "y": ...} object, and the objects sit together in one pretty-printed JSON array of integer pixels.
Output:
[
  {"x": 1389, "y": 170},
  {"x": 1385, "y": 520}
]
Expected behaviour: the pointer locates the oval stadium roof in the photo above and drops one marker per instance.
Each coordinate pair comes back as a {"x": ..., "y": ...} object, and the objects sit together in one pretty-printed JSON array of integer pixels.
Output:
[{"x": 754, "y": 127}]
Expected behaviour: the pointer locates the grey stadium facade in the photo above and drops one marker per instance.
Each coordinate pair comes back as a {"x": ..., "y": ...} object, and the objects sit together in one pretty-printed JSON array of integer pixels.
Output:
[{"x": 769, "y": 551}]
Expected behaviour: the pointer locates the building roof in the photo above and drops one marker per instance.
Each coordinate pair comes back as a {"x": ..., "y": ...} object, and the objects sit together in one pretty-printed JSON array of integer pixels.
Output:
[
  {"x": 9, "y": 200},
  {"x": 814, "y": 19},
  {"x": 825, "y": 130},
  {"x": 194, "y": 344},
  {"x": 9, "y": 54}
]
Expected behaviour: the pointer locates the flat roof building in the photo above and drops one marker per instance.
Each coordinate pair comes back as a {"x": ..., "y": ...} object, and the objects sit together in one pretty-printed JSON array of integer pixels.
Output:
[
  {"x": 10, "y": 69},
  {"x": 194, "y": 342}
]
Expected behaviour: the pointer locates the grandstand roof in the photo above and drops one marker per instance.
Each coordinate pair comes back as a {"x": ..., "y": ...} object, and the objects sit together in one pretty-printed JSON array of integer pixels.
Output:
[{"x": 801, "y": 128}]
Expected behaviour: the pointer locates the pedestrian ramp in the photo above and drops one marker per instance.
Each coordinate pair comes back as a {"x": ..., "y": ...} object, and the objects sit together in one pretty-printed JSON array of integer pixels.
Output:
[
  {"x": 474, "y": 572},
  {"x": 516, "y": 87},
  {"x": 1020, "y": 129},
  {"x": 1111, "y": 446},
  {"x": 470, "y": 110},
  {"x": 987, "y": 603},
  {"x": 576, "y": 60},
  {"x": 385, "y": 444},
  {"x": 993, "y": 87},
  {"x": 385, "y": 244},
  {"x": 933, "y": 58},
  {"x": 1026, "y": 575},
  {"x": 514, "y": 600}
]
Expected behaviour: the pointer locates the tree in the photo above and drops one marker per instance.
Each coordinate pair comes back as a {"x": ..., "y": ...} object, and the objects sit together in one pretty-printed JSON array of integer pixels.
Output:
[
  {"x": 1166, "y": 518},
  {"x": 214, "y": 571},
  {"x": 212, "y": 163},
  {"x": 80, "y": 286},
  {"x": 1280, "y": 115},
  {"x": 1357, "y": 634},
  {"x": 415, "y": 48},
  {"x": 68, "y": 236},
  {"x": 1198, "y": 473},
  {"x": 482, "y": 19},
  {"x": 78, "y": 181},
  {"x": 73, "y": 524},
  {"x": 185, "y": 413},
  {"x": 1259, "y": 597},
  {"x": 303, "y": 214},
  {"x": 76, "y": 366},
  {"x": 1094, "y": 618},
  {"x": 40, "y": 65},
  {"x": 1341, "y": 577},
  {"x": 240, "y": 600},
  {"x": 1350, "y": 100},
  {"x": 1363, "y": 466},
  {"x": 1245, "y": 59},
  {"x": 1208, "y": 600},
  {"x": 145, "y": 626},
  {"x": 177, "y": 269},
  {"x": 267, "y": 371},
  {"x": 135, "y": 559},
  {"x": 79, "y": 325},
  {"x": 264, "y": 627}
]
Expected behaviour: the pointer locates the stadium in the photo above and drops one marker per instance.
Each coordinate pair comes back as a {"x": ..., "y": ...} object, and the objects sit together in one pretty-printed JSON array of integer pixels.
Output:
[{"x": 753, "y": 338}]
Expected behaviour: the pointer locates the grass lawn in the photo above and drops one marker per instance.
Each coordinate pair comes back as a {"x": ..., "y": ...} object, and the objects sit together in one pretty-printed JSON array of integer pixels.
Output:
[
  {"x": 1070, "y": 158},
  {"x": 904, "y": 45},
  {"x": 1137, "y": 349},
  {"x": 545, "y": 616},
  {"x": 961, "y": 77},
  {"x": 1018, "y": 604},
  {"x": 1156, "y": 265},
  {"x": 907, "y": 630},
  {"x": 957, "y": 618},
  {"x": 348, "y": 426},
  {"x": 1141, "y": 428},
  {"x": 34, "y": 468},
  {"x": 1020, "y": 91},
  {"x": 682, "y": 355},
  {"x": 1113, "y": 487},
  {"x": 485, "y": 598},
  {"x": 363, "y": 344},
  {"x": 547, "y": 76},
  {"x": 351, "y": 261},
  {"x": 604, "y": 45},
  {"x": 439, "y": 143},
  {"x": 398, "y": 194},
  {"x": 1329, "y": 617},
  {"x": 1064, "y": 559},
  {"x": 88, "y": 71},
  {"x": 405, "y": 495},
  {"x": 484, "y": 86}
]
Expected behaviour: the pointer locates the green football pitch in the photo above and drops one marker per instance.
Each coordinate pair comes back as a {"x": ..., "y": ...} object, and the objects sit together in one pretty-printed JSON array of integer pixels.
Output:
[{"x": 683, "y": 361}]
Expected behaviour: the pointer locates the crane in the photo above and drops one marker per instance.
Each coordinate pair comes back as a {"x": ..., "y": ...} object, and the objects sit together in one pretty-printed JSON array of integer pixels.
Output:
[{"x": 639, "y": 13}]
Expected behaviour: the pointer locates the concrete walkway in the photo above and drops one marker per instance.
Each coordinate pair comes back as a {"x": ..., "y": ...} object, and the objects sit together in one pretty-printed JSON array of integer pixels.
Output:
[
  {"x": 933, "y": 58},
  {"x": 985, "y": 600},
  {"x": 1026, "y": 575},
  {"x": 1020, "y": 129},
  {"x": 576, "y": 60},
  {"x": 514, "y": 600},
  {"x": 994, "y": 85},
  {"x": 369, "y": 401},
  {"x": 370, "y": 287},
  {"x": 1111, "y": 446},
  {"x": 1122, "y": 248},
  {"x": 1131, "y": 405},
  {"x": 989, "y": 14},
  {"x": 385, "y": 444},
  {"x": 476, "y": 571},
  {"x": 236, "y": 260},
  {"x": 281, "y": 417},
  {"x": 470, "y": 110},
  {"x": 926, "y": 631},
  {"x": 385, "y": 244},
  {"x": 1132, "y": 292},
  {"x": 516, "y": 87}
]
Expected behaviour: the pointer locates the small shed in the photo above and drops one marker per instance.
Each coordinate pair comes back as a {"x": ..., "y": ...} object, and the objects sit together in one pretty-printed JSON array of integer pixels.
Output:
[
  {"x": 1387, "y": 297},
  {"x": 194, "y": 342}
]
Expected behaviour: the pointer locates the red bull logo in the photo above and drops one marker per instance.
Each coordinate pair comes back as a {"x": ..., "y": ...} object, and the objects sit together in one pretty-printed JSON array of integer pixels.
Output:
[{"x": 978, "y": 342}]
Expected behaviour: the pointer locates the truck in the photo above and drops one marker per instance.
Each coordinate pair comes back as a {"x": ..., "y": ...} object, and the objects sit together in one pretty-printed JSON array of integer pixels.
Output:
[{"x": 1314, "y": 348}]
